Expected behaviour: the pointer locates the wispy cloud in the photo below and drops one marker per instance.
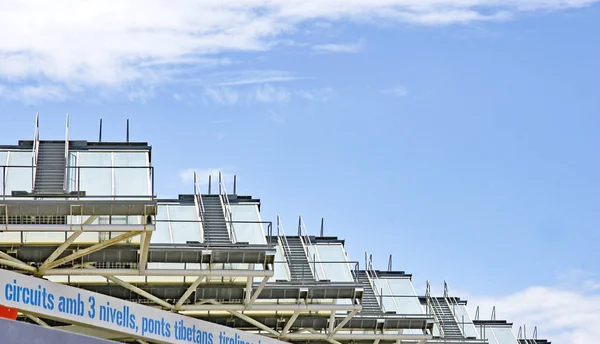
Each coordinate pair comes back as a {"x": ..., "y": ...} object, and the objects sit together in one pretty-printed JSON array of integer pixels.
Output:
[
  {"x": 398, "y": 91},
  {"x": 186, "y": 176},
  {"x": 33, "y": 94},
  {"x": 104, "y": 45},
  {"x": 265, "y": 94},
  {"x": 340, "y": 47},
  {"x": 563, "y": 314}
]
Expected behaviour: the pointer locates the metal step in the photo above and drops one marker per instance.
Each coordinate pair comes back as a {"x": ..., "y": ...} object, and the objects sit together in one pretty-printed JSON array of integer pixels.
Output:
[
  {"x": 50, "y": 171},
  {"x": 446, "y": 320},
  {"x": 369, "y": 301},
  {"x": 298, "y": 261},
  {"x": 215, "y": 226}
]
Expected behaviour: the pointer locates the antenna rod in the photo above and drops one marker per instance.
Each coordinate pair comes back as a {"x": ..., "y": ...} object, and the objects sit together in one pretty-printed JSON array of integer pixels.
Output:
[
  {"x": 235, "y": 184},
  {"x": 128, "y": 130},
  {"x": 100, "y": 133},
  {"x": 322, "y": 220}
]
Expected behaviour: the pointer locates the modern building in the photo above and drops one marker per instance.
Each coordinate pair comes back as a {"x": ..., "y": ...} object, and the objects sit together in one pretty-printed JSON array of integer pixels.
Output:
[{"x": 85, "y": 214}]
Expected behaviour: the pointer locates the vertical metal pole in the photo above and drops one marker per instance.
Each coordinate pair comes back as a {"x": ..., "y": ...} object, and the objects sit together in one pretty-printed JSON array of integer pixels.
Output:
[
  {"x": 390, "y": 263},
  {"x": 315, "y": 265},
  {"x": 78, "y": 181},
  {"x": 235, "y": 184},
  {"x": 195, "y": 192},
  {"x": 209, "y": 183},
  {"x": 152, "y": 171},
  {"x": 220, "y": 181},
  {"x": 300, "y": 225},
  {"x": 3, "y": 182},
  {"x": 100, "y": 132},
  {"x": 322, "y": 220},
  {"x": 277, "y": 225},
  {"x": 128, "y": 130}
]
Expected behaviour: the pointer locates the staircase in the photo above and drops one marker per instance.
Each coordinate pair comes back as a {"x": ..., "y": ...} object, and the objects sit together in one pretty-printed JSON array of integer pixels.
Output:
[
  {"x": 369, "y": 300},
  {"x": 298, "y": 261},
  {"x": 446, "y": 319},
  {"x": 50, "y": 171},
  {"x": 215, "y": 227}
]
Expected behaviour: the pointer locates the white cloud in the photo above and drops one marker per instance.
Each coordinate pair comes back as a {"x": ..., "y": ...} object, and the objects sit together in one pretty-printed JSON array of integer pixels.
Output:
[
  {"x": 186, "y": 177},
  {"x": 106, "y": 44},
  {"x": 222, "y": 95},
  {"x": 399, "y": 91},
  {"x": 33, "y": 94},
  {"x": 265, "y": 93},
  {"x": 563, "y": 314},
  {"x": 270, "y": 94},
  {"x": 340, "y": 48}
]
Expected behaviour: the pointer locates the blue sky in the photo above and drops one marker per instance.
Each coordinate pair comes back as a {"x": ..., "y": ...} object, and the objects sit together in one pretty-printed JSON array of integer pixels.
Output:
[{"x": 460, "y": 136}]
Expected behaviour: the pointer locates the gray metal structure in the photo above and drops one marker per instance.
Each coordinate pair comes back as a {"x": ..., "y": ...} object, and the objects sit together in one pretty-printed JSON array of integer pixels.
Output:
[{"x": 138, "y": 247}]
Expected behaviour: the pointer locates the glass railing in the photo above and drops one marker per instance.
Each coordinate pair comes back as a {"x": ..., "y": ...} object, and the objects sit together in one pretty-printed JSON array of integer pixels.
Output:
[{"x": 102, "y": 182}]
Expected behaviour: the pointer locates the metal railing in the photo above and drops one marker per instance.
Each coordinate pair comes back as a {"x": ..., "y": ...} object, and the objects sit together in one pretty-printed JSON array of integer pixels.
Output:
[
  {"x": 199, "y": 203},
  {"x": 285, "y": 246},
  {"x": 75, "y": 173},
  {"x": 262, "y": 223},
  {"x": 452, "y": 304},
  {"x": 226, "y": 208},
  {"x": 372, "y": 277},
  {"x": 66, "y": 153},
  {"x": 36, "y": 148},
  {"x": 352, "y": 266},
  {"x": 306, "y": 244}
]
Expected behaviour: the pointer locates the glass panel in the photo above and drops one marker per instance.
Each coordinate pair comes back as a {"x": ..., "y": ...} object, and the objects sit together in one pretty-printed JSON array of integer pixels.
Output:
[
  {"x": 465, "y": 321},
  {"x": 382, "y": 288},
  {"x": 162, "y": 234},
  {"x": 3, "y": 170},
  {"x": 251, "y": 233},
  {"x": 405, "y": 297},
  {"x": 486, "y": 332},
  {"x": 72, "y": 172},
  {"x": 96, "y": 181},
  {"x": 131, "y": 181},
  {"x": 189, "y": 228},
  {"x": 504, "y": 335},
  {"x": 281, "y": 268},
  {"x": 333, "y": 263},
  {"x": 19, "y": 178}
]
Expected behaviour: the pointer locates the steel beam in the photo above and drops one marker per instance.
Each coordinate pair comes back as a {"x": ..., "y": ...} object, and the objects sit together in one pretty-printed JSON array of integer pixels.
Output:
[
  {"x": 342, "y": 323},
  {"x": 358, "y": 336},
  {"x": 92, "y": 249},
  {"x": 139, "y": 291},
  {"x": 36, "y": 320},
  {"x": 290, "y": 322},
  {"x": 144, "y": 247},
  {"x": 254, "y": 322},
  {"x": 261, "y": 286},
  {"x": 271, "y": 307},
  {"x": 60, "y": 249},
  {"x": 74, "y": 227},
  {"x": 189, "y": 291},
  {"x": 19, "y": 265},
  {"x": 160, "y": 272}
]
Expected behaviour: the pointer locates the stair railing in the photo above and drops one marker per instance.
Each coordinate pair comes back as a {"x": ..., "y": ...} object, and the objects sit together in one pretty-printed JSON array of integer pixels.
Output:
[
  {"x": 199, "y": 204},
  {"x": 453, "y": 303},
  {"x": 226, "y": 208},
  {"x": 66, "y": 179},
  {"x": 36, "y": 148},
  {"x": 315, "y": 258},
  {"x": 372, "y": 276},
  {"x": 285, "y": 246},
  {"x": 435, "y": 305}
]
